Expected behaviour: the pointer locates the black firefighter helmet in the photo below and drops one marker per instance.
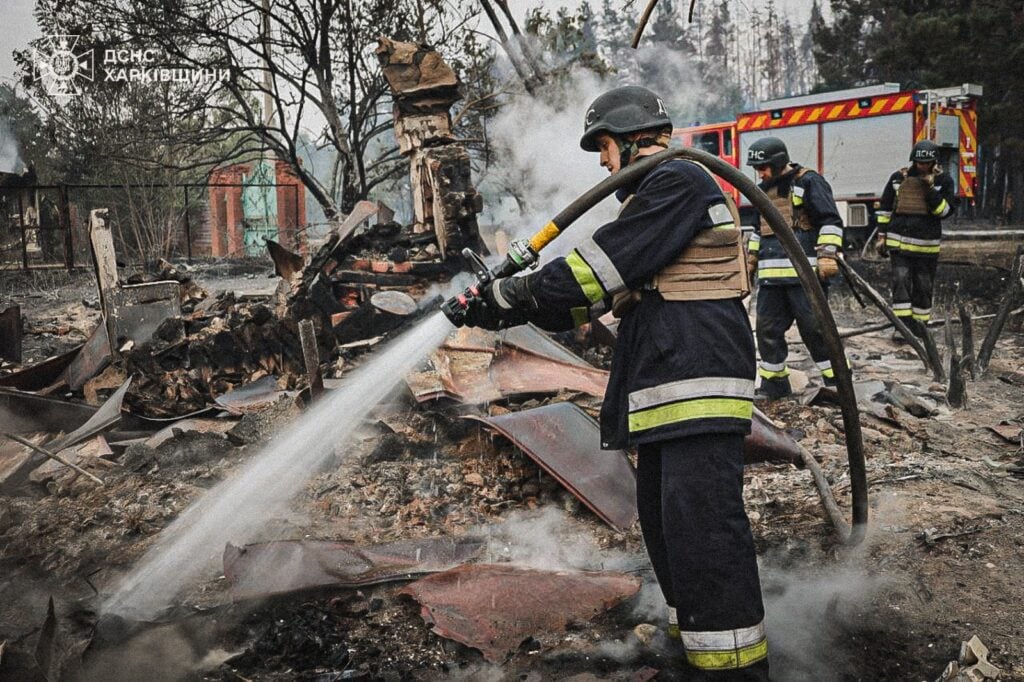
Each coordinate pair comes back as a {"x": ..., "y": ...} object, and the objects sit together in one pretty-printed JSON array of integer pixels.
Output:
[
  {"x": 623, "y": 110},
  {"x": 768, "y": 151},
  {"x": 925, "y": 151}
]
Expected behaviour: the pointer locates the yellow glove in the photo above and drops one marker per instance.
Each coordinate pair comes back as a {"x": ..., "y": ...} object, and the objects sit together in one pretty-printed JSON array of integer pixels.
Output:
[
  {"x": 752, "y": 267},
  {"x": 827, "y": 267}
]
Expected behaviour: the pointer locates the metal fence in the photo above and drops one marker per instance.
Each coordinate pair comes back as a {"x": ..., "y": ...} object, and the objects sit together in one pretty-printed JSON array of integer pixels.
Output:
[{"x": 45, "y": 226}]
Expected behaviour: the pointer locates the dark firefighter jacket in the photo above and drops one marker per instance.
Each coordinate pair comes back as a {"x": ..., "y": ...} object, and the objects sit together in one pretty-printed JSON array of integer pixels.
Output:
[
  {"x": 811, "y": 195},
  {"x": 915, "y": 235},
  {"x": 680, "y": 367}
]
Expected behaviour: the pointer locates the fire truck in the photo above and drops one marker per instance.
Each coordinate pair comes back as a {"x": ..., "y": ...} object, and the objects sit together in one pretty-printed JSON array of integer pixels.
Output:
[{"x": 855, "y": 138}]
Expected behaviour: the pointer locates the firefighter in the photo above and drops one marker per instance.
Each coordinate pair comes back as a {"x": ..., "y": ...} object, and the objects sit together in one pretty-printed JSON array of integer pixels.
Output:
[
  {"x": 681, "y": 385},
  {"x": 805, "y": 200},
  {"x": 914, "y": 202}
]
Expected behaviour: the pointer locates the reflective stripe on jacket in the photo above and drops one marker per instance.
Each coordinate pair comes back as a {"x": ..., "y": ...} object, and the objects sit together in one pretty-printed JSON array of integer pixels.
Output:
[
  {"x": 819, "y": 229},
  {"x": 915, "y": 234},
  {"x": 679, "y": 367}
]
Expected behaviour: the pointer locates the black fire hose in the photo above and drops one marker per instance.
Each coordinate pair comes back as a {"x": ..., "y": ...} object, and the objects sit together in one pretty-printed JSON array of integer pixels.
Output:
[
  {"x": 524, "y": 253},
  {"x": 816, "y": 296},
  {"x": 808, "y": 279}
]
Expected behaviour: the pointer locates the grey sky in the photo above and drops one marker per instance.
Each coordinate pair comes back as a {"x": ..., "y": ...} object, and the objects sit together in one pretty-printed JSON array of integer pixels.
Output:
[{"x": 19, "y": 27}]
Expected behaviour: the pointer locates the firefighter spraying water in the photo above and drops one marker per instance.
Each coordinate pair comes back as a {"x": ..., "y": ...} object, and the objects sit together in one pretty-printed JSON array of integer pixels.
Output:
[{"x": 681, "y": 389}]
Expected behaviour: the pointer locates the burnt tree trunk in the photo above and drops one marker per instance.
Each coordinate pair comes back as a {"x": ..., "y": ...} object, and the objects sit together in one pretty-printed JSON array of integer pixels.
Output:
[
  {"x": 1012, "y": 290},
  {"x": 956, "y": 393},
  {"x": 967, "y": 341}
]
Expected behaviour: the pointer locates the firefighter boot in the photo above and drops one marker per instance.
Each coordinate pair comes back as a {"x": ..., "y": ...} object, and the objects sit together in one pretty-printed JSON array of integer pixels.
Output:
[
  {"x": 773, "y": 389},
  {"x": 917, "y": 328}
]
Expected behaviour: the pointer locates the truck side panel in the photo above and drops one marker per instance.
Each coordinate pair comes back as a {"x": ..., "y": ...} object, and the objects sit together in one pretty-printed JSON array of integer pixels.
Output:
[{"x": 858, "y": 155}]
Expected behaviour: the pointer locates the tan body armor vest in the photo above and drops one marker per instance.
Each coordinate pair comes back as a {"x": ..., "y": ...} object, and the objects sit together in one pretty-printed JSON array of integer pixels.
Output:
[
  {"x": 711, "y": 267},
  {"x": 910, "y": 196},
  {"x": 796, "y": 218}
]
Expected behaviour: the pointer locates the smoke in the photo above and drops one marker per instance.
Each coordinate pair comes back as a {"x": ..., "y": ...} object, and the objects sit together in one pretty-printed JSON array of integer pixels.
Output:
[
  {"x": 10, "y": 161},
  {"x": 540, "y": 161},
  {"x": 810, "y": 609},
  {"x": 167, "y": 653},
  {"x": 540, "y": 168},
  {"x": 809, "y": 612},
  {"x": 551, "y": 540},
  {"x": 813, "y": 608}
]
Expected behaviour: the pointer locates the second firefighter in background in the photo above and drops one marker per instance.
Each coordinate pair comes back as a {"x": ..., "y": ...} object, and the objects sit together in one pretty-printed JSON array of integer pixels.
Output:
[
  {"x": 805, "y": 201},
  {"x": 914, "y": 202}
]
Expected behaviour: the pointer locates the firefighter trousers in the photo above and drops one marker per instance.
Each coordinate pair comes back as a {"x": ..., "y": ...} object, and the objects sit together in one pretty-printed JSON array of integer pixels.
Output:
[
  {"x": 777, "y": 308},
  {"x": 913, "y": 281},
  {"x": 690, "y": 503}
]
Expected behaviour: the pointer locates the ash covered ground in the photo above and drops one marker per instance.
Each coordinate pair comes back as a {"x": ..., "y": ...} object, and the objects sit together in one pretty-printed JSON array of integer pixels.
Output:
[{"x": 940, "y": 564}]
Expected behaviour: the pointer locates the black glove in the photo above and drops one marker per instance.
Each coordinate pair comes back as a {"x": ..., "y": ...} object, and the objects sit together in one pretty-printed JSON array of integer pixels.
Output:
[
  {"x": 479, "y": 314},
  {"x": 501, "y": 304}
]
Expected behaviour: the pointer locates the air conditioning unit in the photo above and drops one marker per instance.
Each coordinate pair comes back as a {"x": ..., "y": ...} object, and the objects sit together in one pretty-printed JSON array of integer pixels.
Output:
[{"x": 857, "y": 215}]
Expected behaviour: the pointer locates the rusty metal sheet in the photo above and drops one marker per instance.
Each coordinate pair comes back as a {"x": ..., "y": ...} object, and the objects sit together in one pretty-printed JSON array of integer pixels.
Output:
[
  {"x": 530, "y": 338},
  {"x": 768, "y": 443},
  {"x": 105, "y": 417},
  {"x": 11, "y": 332},
  {"x": 264, "y": 569},
  {"x": 252, "y": 397},
  {"x": 517, "y": 372},
  {"x": 566, "y": 443},
  {"x": 21, "y": 412},
  {"x": 42, "y": 374},
  {"x": 1008, "y": 432},
  {"x": 495, "y": 607},
  {"x": 471, "y": 370},
  {"x": 91, "y": 359}
]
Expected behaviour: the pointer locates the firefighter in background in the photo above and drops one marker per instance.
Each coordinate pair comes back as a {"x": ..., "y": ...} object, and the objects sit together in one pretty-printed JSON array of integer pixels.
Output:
[
  {"x": 681, "y": 385},
  {"x": 914, "y": 202},
  {"x": 805, "y": 201}
]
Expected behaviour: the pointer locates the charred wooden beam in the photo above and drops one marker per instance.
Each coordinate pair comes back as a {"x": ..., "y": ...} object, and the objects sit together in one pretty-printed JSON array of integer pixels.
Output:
[
  {"x": 956, "y": 392},
  {"x": 311, "y": 356},
  {"x": 934, "y": 358},
  {"x": 54, "y": 456},
  {"x": 286, "y": 263},
  {"x": 1012, "y": 291},
  {"x": 969, "y": 361},
  {"x": 424, "y": 88},
  {"x": 927, "y": 356}
]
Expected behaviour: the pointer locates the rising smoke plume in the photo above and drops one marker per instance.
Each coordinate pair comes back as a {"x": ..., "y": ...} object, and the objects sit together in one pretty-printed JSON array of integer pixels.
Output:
[{"x": 537, "y": 137}]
